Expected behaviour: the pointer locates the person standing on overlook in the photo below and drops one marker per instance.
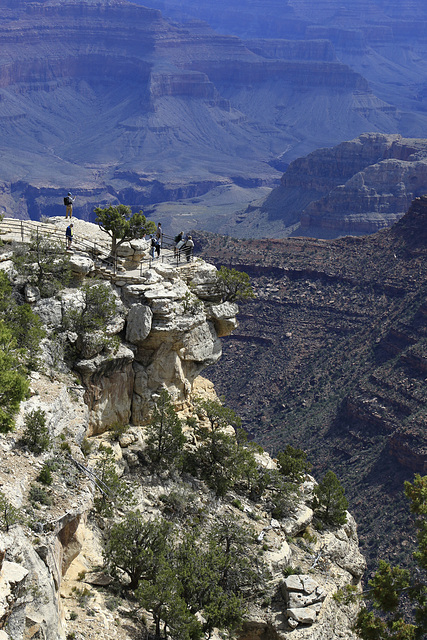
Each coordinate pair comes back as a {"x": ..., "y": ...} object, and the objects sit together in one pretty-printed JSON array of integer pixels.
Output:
[
  {"x": 188, "y": 248},
  {"x": 69, "y": 201},
  {"x": 69, "y": 232},
  {"x": 159, "y": 233},
  {"x": 179, "y": 241}
]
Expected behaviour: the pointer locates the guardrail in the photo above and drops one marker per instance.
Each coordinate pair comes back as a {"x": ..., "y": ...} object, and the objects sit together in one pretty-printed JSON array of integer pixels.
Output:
[{"x": 26, "y": 229}]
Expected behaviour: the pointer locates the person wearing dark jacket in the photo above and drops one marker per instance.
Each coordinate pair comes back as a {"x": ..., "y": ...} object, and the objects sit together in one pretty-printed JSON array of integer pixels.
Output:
[
  {"x": 69, "y": 232},
  {"x": 69, "y": 201}
]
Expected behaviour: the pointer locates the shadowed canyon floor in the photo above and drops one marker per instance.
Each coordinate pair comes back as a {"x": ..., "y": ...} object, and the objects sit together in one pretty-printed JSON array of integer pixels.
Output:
[{"x": 331, "y": 357}]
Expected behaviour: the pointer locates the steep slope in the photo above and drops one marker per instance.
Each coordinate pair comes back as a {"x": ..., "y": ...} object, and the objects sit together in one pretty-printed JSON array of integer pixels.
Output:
[
  {"x": 356, "y": 187},
  {"x": 62, "y": 502},
  {"x": 114, "y": 102},
  {"x": 331, "y": 357}
]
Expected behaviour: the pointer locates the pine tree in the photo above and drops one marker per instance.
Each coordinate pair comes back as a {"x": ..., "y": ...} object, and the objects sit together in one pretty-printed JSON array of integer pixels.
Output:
[
  {"x": 329, "y": 501},
  {"x": 392, "y": 587},
  {"x": 165, "y": 440},
  {"x": 122, "y": 225},
  {"x": 293, "y": 463}
]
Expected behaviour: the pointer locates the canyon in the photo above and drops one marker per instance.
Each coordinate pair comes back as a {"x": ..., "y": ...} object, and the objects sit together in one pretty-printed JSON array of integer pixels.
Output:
[
  {"x": 330, "y": 357},
  {"x": 116, "y": 102}
]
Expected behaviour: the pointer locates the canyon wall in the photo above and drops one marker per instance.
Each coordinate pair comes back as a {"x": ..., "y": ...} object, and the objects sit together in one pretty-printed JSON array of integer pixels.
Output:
[
  {"x": 338, "y": 335},
  {"x": 355, "y": 188},
  {"x": 116, "y": 103}
]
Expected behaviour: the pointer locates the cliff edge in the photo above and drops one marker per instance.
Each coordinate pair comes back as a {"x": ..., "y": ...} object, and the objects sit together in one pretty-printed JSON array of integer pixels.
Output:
[{"x": 54, "y": 581}]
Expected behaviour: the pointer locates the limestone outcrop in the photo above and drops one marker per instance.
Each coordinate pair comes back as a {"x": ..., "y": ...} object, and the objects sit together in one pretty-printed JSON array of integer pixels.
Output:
[
  {"x": 172, "y": 333},
  {"x": 167, "y": 329}
]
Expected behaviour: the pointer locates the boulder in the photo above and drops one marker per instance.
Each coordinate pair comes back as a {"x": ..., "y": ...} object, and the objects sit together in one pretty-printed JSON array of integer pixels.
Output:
[
  {"x": 125, "y": 250},
  {"x": 139, "y": 322},
  {"x": 305, "y": 615},
  {"x": 12, "y": 579},
  {"x": 31, "y": 293},
  {"x": 50, "y": 312},
  {"x": 299, "y": 521},
  {"x": 343, "y": 550},
  {"x": 140, "y": 245},
  {"x": 224, "y": 317},
  {"x": 205, "y": 283},
  {"x": 201, "y": 345},
  {"x": 81, "y": 265}
]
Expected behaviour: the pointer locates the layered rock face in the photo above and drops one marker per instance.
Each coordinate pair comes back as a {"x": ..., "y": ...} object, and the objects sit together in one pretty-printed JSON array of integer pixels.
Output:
[
  {"x": 338, "y": 336},
  {"x": 122, "y": 105},
  {"x": 354, "y": 188},
  {"x": 173, "y": 322}
]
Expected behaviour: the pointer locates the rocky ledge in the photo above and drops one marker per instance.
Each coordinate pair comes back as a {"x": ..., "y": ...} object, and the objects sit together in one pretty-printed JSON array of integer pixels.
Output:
[{"x": 168, "y": 325}]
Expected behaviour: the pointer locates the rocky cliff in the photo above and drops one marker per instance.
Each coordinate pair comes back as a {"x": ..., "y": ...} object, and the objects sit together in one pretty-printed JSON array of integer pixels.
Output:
[
  {"x": 354, "y": 188},
  {"x": 168, "y": 320},
  {"x": 337, "y": 334}
]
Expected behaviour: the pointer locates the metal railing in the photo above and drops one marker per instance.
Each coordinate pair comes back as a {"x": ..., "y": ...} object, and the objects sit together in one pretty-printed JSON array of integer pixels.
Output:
[
  {"x": 98, "y": 251},
  {"x": 26, "y": 229}
]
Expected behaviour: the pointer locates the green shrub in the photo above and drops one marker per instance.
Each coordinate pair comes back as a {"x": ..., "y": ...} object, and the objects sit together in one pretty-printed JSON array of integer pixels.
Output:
[
  {"x": 234, "y": 285},
  {"x": 86, "y": 447},
  {"x": 165, "y": 438},
  {"x": 45, "y": 475},
  {"x": 44, "y": 264},
  {"x": 13, "y": 382},
  {"x": 36, "y": 435},
  {"x": 112, "y": 491},
  {"x": 9, "y": 515},
  {"x": 293, "y": 463},
  {"x": 329, "y": 501},
  {"x": 38, "y": 494},
  {"x": 117, "y": 430}
]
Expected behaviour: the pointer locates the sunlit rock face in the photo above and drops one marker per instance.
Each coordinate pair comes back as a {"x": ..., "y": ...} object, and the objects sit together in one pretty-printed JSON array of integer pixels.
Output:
[
  {"x": 355, "y": 188},
  {"x": 172, "y": 321}
]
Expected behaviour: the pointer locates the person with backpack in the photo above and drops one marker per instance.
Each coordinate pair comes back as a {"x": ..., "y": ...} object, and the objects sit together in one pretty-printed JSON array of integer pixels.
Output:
[
  {"x": 188, "y": 248},
  {"x": 69, "y": 232},
  {"x": 155, "y": 246},
  {"x": 179, "y": 241},
  {"x": 69, "y": 201}
]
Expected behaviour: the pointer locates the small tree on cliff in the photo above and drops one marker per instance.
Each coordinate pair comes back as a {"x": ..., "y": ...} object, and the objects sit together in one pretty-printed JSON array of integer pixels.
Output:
[
  {"x": 44, "y": 264},
  {"x": 217, "y": 456},
  {"x": 234, "y": 285},
  {"x": 329, "y": 502},
  {"x": 165, "y": 439},
  {"x": 392, "y": 587},
  {"x": 293, "y": 463},
  {"x": 121, "y": 225}
]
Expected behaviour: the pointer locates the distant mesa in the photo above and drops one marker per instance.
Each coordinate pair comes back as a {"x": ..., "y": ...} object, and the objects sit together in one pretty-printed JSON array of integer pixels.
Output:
[{"x": 354, "y": 188}]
